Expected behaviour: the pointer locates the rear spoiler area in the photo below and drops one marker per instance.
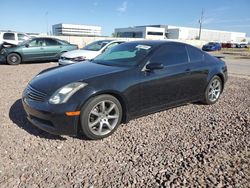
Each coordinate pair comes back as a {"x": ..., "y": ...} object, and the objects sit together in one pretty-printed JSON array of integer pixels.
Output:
[{"x": 219, "y": 56}]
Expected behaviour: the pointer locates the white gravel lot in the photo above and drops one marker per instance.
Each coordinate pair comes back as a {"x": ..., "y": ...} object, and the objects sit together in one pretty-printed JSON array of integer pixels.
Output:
[{"x": 194, "y": 145}]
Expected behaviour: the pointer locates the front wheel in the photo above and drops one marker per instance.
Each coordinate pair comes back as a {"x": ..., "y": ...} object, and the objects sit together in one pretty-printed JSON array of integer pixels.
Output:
[
  {"x": 213, "y": 90},
  {"x": 100, "y": 117},
  {"x": 14, "y": 59}
]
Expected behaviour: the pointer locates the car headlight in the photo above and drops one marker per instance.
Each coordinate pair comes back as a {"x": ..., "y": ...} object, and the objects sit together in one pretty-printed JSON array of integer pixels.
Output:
[
  {"x": 80, "y": 58},
  {"x": 64, "y": 93}
]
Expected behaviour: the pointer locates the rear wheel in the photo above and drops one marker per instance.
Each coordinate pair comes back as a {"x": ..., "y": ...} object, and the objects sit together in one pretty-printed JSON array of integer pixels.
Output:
[
  {"x": 213, "y": 90},
  {"x": 14, "y": 59},
  {"x": 100, "y": 117}
]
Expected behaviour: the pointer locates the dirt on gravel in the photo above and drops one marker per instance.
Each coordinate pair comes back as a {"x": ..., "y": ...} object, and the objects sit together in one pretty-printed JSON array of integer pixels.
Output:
[{"x": 193, "y": 145}]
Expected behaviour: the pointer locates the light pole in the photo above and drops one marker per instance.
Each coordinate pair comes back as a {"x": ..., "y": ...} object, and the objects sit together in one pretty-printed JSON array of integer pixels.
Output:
[{"x": 200, "y": 22}]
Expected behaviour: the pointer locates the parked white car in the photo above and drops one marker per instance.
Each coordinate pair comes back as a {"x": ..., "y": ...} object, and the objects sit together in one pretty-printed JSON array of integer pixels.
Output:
[
  {"x": 89, "y": 52},
  {"x": 13, "y": 37}
]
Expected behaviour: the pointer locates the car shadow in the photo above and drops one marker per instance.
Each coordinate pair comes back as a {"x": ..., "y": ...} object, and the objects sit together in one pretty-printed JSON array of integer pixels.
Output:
[{"x": 19, "y": 117}]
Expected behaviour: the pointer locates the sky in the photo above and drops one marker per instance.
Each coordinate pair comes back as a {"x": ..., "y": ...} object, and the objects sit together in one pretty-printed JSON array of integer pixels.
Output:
[{"x": 32, "y": 15}]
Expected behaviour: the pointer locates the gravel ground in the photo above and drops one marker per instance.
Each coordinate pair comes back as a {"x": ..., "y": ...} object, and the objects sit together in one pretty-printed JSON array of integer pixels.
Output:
[{"x": 193, "y": 145}]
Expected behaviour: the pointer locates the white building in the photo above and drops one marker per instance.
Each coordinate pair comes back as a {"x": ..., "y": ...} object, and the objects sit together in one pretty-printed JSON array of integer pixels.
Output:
[
  {"x": 188, "y": 33},
  {"x": 179, "y": 33},
  {"x": 76, "y": 30},
  {"x": 140, "y": 32}
]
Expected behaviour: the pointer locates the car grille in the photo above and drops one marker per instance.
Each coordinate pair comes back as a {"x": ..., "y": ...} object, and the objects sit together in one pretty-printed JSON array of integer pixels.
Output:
[{"x": 34, "y": 94}]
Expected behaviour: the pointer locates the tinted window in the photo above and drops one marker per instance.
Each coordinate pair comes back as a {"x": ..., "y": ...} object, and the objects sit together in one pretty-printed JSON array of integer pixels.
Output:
[
  {"x": 36, "y": 42},
  {"x": 51, "y": 42},
  {"x": 195, "y": 55},
  {"x": 22, "y": 36},
  {"x": 155, "y": 33},
  {"x": 9, "y": 36},
  {"x": 170, "y": 54},
  {"x": 130, "y": 34}
]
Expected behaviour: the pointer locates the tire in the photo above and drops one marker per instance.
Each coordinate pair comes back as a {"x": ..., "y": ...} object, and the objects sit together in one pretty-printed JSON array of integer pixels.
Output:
[
  {"x": 14, "y": 59},
  {"x": 213, "y": 90},
  {"x": 100, "y": 117}
]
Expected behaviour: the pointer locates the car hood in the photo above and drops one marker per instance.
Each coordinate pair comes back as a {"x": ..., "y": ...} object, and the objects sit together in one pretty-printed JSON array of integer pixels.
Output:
[
  {"x": 77, "y": 53},
  {"x": 52, "y": 79}
]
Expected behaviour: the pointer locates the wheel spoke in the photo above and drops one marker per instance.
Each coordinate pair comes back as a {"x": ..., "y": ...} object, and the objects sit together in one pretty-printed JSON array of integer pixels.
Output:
[
  {"x": 100, "y": 128},
  {"x": 214, "y": 96},
  {"x": 112, "y": 116},
  {"x": 109, "y": 126},
  {"x": 92, "y": 124},
  {"x": 110, "y": 108},
  {"x": 103, "y": 106}
]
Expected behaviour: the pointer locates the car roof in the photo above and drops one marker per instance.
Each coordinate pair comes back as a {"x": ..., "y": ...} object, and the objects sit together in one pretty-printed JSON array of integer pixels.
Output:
[{"x": 154, "y": 42}]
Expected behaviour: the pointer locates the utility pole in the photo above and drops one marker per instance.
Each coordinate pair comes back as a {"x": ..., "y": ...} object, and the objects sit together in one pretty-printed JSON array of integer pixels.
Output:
[
  {"x": 46, "y": 17},
  {"x": 200, "y": 22}
]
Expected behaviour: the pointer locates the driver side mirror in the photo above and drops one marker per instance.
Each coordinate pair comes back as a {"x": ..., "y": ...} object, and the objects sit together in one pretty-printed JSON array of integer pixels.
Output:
[
  {"x": 154, "y": 66},
  {"x": 27, "y": 45}
]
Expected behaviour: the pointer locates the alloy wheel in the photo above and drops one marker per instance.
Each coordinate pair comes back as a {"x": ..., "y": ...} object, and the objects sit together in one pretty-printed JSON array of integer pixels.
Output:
[
  {"x": 214, "y": 90},
  {"x": 103, "y": 118}
]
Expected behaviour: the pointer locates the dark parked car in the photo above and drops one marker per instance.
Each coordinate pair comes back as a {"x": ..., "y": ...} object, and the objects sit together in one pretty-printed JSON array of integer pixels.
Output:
[
  {"x": 36, "y": 49},
  {"x": 130, "y": 80},
  {"x": 211, "y": 46}
]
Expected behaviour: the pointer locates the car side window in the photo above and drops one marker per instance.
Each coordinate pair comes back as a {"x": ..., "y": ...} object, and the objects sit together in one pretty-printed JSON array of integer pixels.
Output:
[
  {"x": 9, "y": 36},
  {"x": 170, "y": 54},
  {"x": 110, "y": 46},
  {"x": 21, "y": 36},
  {"x": 36, "y": 43},
  {"x": 195, "y": 55},
  {"x": 51, "y": 42}
]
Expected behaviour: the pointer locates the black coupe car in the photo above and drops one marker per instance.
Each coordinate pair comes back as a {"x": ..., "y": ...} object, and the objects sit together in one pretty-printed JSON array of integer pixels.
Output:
[{"x": 130, "y": 80}]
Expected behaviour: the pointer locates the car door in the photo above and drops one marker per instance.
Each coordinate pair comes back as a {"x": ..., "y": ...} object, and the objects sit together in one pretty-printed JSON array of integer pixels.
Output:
[
  {"x": 34, "y": 50},
  {"x": 52, "y": 48},
  {"x": 198, "y": 72},
  {"x": 168, "y": 86}
]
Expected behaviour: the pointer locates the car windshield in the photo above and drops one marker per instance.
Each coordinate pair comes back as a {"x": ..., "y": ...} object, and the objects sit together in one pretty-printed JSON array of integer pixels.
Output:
[
  {"x": 96, "y": 46},
  {"x": 211, "y": 43},
  {"x": 126, "y": 54}
]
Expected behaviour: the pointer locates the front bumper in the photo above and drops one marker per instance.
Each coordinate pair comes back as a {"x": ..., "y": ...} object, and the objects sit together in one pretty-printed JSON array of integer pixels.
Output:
[{"x": 54, "y": 121}]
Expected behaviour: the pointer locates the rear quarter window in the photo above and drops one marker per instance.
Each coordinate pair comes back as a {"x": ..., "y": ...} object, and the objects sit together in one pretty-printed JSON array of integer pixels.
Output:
[
  {"x": 195, "y": 55},
  {"x": 9, "y": 36}
]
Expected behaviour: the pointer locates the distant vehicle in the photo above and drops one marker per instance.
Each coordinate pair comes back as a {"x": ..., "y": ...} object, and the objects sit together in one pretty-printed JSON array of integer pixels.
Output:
[
  {"x": 229, "y": 45},
  {"x": 12, "y": 37},
  {"x": 242, "y": 45},
  {"x": 128, "y": 81},
  {"x": 36, "y": 49},
  {"x": 88, "y": 52},
  {"x": 211, "y": 46}
]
